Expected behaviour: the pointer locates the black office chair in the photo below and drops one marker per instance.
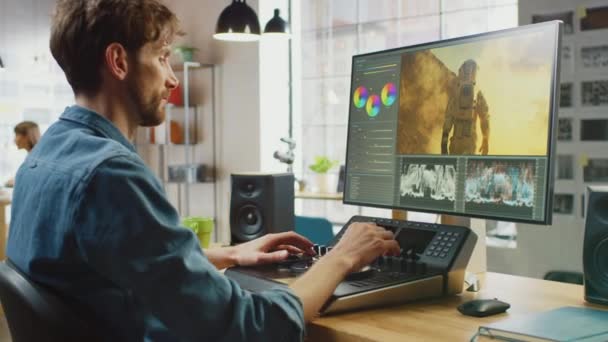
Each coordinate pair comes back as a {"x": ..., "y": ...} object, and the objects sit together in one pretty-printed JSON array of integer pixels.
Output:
[{"x": 34, "y": 313}]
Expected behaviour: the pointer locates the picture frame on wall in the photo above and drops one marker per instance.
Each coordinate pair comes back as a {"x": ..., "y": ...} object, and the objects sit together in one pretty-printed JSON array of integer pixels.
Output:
[
  {"x": 594, "y": 130},
  {"x": 563, "y": 204},
  {"x": 594, "y": 57},
  {"x": 565, "y": 95},
  {"x": 596, "y": 170},
  {"x": 594, "y": 93},
  {"x": 567, "y": 17},
  {"x": 594, "y": 18},
  {"x": 564, "y": 129}
]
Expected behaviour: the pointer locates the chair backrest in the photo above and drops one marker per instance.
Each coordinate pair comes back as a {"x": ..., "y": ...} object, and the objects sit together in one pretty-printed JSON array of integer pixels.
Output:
[
  {"x": 35, "y": 313},
  {"x": 317, "y": 229}
]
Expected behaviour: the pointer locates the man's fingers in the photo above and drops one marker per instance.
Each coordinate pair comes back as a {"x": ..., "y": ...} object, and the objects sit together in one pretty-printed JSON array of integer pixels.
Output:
[
  {"x": 291, "y": 249},
  {"x": 380, "y": 229},
  {"x": 291, "y": 238},
  {"x": 268, "y": 258},
  {"x": 387, "y": 235},
  {"x": 391, "y": 247}
]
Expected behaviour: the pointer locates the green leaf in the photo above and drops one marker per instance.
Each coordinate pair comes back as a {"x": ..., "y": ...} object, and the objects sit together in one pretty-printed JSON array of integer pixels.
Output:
[{"x": 322, "y": 164}]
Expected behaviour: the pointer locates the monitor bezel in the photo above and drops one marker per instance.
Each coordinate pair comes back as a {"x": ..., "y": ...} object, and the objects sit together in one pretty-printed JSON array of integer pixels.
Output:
[{"x": 553, "y": 109}]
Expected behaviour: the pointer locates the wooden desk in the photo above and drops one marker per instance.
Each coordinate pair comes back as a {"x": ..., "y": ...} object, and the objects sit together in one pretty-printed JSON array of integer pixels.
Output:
[
  {"x": 320, "y": 195},
  {"x": 438, "y": 319}
]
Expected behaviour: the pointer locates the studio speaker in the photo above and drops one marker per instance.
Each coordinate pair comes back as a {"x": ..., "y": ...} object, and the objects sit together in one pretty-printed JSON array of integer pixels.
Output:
[
  {"x": 261, "y": 204},
  {"x": 595, "y": 246}
]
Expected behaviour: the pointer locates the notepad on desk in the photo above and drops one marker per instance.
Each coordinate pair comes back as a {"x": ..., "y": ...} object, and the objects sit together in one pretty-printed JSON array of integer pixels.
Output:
[{"x": 562, "y": 324}]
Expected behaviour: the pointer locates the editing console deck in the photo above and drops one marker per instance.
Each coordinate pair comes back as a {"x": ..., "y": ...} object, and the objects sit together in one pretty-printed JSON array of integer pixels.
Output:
[{"x": 432, "y": 262}]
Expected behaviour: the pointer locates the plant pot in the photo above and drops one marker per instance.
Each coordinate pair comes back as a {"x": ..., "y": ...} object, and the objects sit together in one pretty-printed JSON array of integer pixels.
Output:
[
  {"x": 322, "y": 182},
  {"x": 186, "y": 53}
]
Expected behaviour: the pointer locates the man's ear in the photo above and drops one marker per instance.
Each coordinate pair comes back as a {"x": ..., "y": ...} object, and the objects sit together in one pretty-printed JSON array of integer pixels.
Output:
[{"x": 116, "y": 61}]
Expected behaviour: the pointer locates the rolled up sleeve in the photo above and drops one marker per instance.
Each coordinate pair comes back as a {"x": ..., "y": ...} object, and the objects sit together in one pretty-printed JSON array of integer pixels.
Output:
[{"x": 130, "y": 234}]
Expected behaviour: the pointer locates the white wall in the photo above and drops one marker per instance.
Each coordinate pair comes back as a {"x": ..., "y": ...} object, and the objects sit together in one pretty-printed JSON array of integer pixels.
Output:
[
  {"x": 274, "y": 89},
  {"x": 559, "y": 246}
]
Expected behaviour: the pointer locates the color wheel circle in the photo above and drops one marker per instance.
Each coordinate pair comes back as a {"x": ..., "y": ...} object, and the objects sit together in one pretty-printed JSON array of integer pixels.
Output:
[
  {"x": 360, "y": 97},
  {"x": 389, "y": 94},
  {"x": 373, "y": 105}
]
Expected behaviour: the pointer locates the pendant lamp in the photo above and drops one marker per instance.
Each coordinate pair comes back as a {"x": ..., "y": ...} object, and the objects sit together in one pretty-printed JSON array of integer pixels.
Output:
[
  {"x": 277, "y": 27},
  {"x": 238, "y": 22}
]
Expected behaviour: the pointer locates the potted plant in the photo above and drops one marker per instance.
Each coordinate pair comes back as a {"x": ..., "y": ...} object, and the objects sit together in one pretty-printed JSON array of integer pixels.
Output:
[
  {"x": 320, "y": 167},
  {"x": 186, "y": 53}
]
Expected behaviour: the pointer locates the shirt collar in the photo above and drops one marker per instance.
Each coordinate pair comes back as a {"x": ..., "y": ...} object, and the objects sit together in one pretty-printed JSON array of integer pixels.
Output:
[{"x": 93, "y": 120}]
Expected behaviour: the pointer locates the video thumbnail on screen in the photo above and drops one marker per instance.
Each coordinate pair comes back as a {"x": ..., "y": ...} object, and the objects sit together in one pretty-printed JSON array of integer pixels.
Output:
[
  {"x": 509, "y": 183},
  {"x": 429, "y": 182},
  {"x": 487, "y": 97}
]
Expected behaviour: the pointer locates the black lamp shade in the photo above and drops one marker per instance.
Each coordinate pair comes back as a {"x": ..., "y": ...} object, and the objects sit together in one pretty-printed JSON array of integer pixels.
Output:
[
  {"x": 276, "y": 24},
  {"x": 238, "y": 22}
]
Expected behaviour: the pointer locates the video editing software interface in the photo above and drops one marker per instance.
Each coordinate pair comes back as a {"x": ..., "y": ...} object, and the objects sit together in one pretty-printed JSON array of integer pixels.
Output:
[{"x": 463, "y": 126}]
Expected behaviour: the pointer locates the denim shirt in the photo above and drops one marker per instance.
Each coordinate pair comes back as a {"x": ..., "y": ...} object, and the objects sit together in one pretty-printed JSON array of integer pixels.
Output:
[{"x": 92, "y": 222}]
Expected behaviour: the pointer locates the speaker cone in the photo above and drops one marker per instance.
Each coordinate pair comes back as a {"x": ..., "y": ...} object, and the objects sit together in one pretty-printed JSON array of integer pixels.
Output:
[{"x": 249, "y": 219}]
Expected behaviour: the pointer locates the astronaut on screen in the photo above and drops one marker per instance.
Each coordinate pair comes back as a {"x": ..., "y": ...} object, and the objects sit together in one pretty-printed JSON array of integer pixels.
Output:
[{"x": 461, "y": 115}]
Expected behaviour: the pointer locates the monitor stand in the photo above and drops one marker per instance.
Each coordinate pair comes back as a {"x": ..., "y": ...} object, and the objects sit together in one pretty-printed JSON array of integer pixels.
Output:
[{"x": 478, "y": 262}]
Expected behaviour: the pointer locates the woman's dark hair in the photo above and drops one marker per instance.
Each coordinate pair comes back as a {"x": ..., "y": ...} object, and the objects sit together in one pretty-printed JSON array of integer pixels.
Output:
[{"x": 30, "y": 130}]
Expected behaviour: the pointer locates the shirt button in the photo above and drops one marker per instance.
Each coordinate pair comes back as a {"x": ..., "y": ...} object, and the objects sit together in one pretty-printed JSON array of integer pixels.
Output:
[{"x": 33, "y": 165}]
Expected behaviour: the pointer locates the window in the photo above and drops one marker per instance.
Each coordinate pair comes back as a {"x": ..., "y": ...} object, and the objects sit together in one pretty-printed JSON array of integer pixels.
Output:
[{"x": 327, "y": 33}]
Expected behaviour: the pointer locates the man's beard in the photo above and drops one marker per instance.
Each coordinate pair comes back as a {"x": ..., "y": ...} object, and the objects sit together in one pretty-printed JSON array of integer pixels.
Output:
[{"x": 148, "y": 111}]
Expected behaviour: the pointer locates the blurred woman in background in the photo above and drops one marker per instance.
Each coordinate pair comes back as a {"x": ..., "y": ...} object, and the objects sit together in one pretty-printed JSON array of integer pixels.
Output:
[{"x": 27, "y": 135}]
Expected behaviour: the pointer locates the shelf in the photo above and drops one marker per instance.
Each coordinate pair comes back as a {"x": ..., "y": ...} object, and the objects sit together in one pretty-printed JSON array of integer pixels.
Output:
[
  {"x": 173, "y": 147},
  {"x": 334, "y": 196},
  {"x": 191, "y": 65}
]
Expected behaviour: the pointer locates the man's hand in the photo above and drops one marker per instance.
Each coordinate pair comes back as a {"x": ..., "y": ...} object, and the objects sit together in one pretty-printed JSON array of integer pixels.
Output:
[
  {"x": 358, "y": 247},
  {"x": 364, "y": 242},
  {"x": 271, "y": 248}
]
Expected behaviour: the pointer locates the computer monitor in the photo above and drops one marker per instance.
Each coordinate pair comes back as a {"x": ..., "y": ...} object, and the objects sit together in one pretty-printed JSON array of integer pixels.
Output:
[{"x": 462, "y": 126}]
